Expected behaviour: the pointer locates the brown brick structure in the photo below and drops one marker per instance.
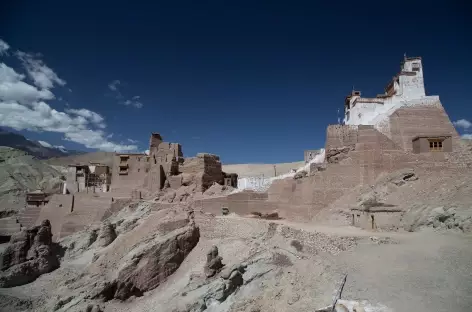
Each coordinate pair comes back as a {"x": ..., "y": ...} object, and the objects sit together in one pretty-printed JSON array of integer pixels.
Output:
[
  {"x": 165, "y": 165},
  {"x": 409, "y": 123},
  {"x": 358, "y": 155}
]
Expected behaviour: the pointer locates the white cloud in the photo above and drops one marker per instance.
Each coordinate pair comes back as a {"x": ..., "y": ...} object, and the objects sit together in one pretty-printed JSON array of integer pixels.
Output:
[
  {"x": 88, "y": 114},
  {"x": 12, "y": 88},
  {"x": 146, "y": 152},
  {"x": 97, "y": 139},
  {"x": 42, "y": 75},
  {"x": 467, "y": 136},
  {"x": 45, "y": 144},
  {"x": 134, "y": 101},
  {"x": 113, "y": 86},
  {"x": 132, "y": 141},
  {"x": 3, "y": 47},
  {"x": 463, "y": 123},
  {"x": 22, "y": 107}
]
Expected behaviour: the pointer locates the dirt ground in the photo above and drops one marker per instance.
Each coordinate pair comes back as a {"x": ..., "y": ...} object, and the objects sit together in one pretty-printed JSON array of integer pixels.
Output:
[{"x": 292, "y": 267}]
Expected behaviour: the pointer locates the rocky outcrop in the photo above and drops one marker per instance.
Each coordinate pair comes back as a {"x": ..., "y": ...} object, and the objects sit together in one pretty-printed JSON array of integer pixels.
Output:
[
  {"x": 106, "y": 234},
  {"x": 29, "y": 255},
  {"x": 150, "y": 263},
  {"x": 213, "y": 264}
]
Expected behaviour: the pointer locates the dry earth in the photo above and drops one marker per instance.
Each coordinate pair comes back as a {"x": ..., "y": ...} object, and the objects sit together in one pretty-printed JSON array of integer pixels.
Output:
[{"x": 286, "y": 267}]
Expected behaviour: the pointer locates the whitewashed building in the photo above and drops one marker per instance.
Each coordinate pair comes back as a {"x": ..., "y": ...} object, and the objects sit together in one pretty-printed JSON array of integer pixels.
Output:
[{"x": 405, "y": 89}]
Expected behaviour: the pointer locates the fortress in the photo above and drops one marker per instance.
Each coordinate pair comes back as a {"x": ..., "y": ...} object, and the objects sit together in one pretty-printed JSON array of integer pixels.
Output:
[{"x": 401, "y": 128}]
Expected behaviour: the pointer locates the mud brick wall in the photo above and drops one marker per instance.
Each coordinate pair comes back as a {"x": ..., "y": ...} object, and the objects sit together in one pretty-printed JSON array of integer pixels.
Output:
[
  {"x": 407, "y": 123},
  {"x": 55, "y": 211},
  {"x": 205, "y": 167},
  {"x": 341, "y": 135},
  {"x": 166, "y": 151},
  {"x": 137, "y": 165}
]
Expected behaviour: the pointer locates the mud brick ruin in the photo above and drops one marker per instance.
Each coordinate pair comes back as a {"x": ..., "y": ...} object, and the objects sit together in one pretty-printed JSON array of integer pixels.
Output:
[
  {"x": 401, "y": 128},
  {"x": 165, "y": 164},
  {"x": 92, "y": 191}
]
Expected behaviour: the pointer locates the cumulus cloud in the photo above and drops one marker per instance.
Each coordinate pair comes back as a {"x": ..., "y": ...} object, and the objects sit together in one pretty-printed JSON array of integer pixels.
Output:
[
  {"x": 45, "y": 144},
  {"x": 23, "y": 107},
  {"x": 88, "y": 114},
  {"x": 3, "y": 47},
  {"x": 462, "y": 123},
  {"x": 134, "y": 101},
  {"x": 42, "y": 75},
  {"x": 13, "y": 88}
]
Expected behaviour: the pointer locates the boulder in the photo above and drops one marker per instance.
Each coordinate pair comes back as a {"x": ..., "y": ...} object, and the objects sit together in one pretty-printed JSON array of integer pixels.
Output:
[
  {"x": 29, "y": 255},
  {"x": 213, "y": 264},
  {"x": 148, "y": 265},
  {"x": 106, "y": 235}
]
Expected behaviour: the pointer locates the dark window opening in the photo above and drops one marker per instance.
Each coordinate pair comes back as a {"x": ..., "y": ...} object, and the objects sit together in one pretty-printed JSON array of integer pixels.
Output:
[{"x": 435, "y": 145}]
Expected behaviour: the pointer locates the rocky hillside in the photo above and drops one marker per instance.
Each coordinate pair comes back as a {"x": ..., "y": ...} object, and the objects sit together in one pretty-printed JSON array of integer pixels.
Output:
[
  {"x": 19, "y": 173},
  {"x": 105, "y": 158},
  {"x": 34, "y": 148}
]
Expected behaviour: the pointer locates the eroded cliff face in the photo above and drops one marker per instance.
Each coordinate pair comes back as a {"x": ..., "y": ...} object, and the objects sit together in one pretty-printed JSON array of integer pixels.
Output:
[{"x": 29, "y": 254}]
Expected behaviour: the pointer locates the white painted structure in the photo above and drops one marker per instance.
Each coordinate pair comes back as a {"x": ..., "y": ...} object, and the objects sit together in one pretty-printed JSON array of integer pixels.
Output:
[
  {"x": 261, "y": 183},
  {"x": 405, "y": 89}
]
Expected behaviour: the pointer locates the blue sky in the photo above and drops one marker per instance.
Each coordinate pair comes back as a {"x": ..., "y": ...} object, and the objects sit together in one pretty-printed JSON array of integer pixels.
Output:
[{"x": 251, "y": 81}]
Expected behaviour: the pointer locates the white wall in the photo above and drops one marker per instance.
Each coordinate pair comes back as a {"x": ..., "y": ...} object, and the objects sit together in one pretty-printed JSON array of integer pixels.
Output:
[
  {"x": 261, "y": 183},
  {"x": 410, "y": 91}
]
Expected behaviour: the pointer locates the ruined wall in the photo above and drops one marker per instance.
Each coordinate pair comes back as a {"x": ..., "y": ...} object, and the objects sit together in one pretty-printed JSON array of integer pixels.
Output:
[
  {"x": 410, "y": 122},
  {"x": 55, "y": 211},
  {"x": 206, "y": 169},
  {"x": 385, "y": 220},
  {"x": 135, "y": 174},
  {"x": 341, "y": 135}
]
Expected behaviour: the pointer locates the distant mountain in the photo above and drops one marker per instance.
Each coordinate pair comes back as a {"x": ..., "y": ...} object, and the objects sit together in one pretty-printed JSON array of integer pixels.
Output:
[
  {"x": 39, "y": 149},
  {"x": 20, "y": 173}
]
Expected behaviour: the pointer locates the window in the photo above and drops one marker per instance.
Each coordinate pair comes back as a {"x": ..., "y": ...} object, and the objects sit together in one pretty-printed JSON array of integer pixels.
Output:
[
  {"x": 123, "y": 170},
  {"x": 415, "y": 66},
  {"x": 435, "y": 145}
]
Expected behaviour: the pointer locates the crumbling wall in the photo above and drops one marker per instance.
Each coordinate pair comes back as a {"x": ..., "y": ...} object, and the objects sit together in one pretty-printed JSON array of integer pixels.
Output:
[
  {"x": 341, "y": 135},
  {"x": 58, "y": 207},
  {"x": 205, "y": 168}
]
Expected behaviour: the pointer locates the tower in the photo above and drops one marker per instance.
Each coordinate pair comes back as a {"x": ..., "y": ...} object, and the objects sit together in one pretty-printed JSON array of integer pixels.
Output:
[{"x": 154, "y": 142}]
